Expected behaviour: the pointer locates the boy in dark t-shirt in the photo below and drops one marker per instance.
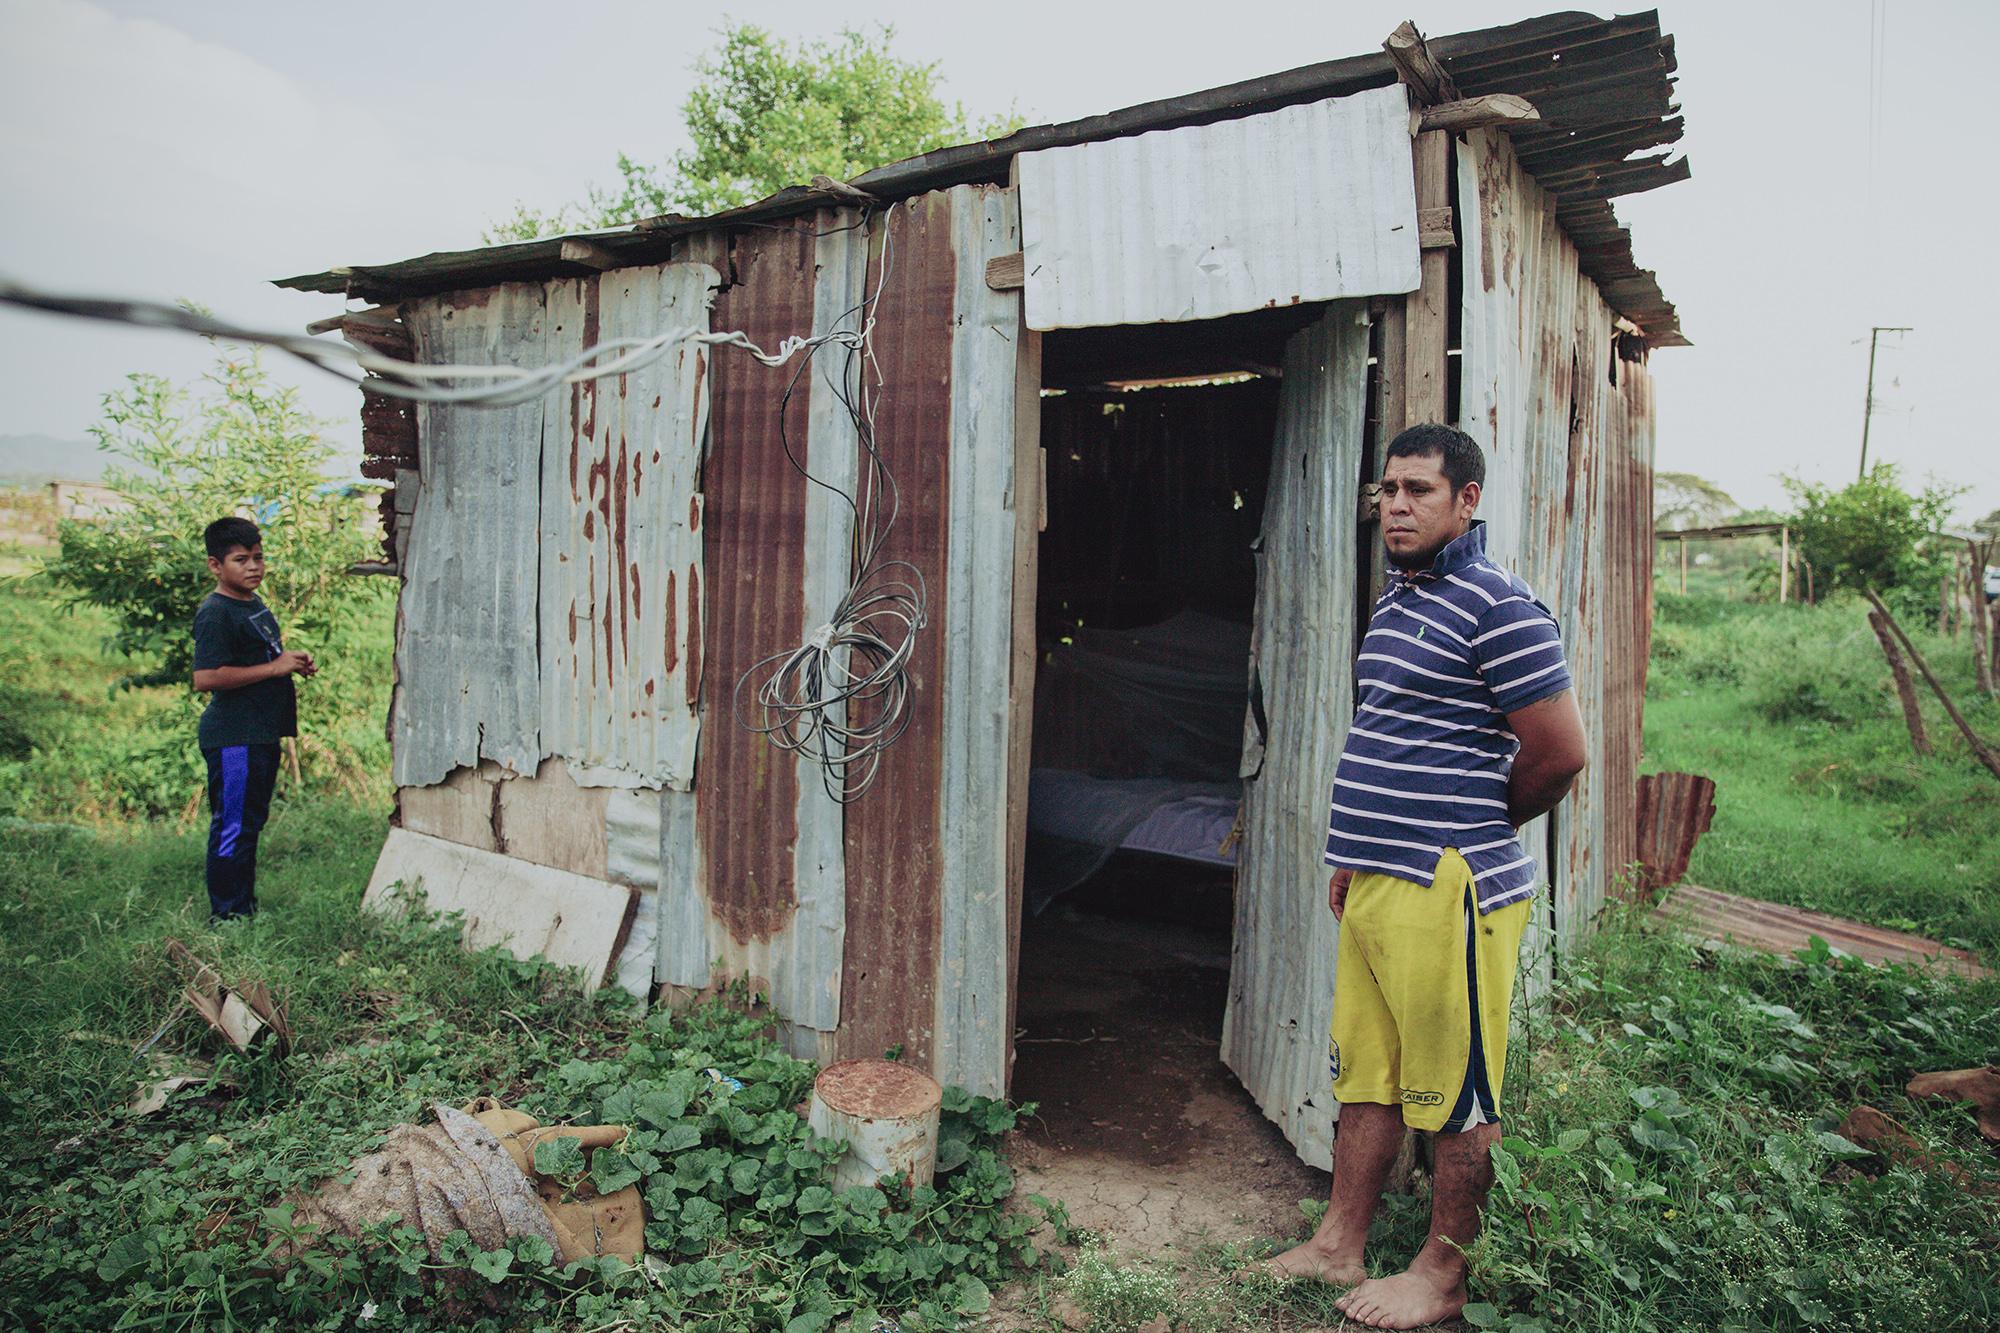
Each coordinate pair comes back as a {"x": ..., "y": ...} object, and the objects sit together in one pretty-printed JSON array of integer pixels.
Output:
[{"x": 243, "y": 667}]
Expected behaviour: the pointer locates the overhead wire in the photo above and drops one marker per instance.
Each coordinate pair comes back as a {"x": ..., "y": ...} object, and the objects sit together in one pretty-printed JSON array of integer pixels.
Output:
[{"x": 841, "y": 697}]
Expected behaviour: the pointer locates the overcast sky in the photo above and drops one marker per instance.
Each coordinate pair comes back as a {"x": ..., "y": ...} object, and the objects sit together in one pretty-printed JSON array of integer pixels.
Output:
[{"x": 199, "y": 150}]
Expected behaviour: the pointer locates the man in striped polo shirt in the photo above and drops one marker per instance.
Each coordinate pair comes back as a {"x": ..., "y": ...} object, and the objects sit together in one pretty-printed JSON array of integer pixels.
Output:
[{"x": 1465, "y": 729}]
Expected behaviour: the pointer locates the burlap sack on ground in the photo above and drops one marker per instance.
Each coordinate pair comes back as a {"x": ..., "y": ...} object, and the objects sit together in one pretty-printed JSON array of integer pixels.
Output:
[{"x": 473, "y": 1170}]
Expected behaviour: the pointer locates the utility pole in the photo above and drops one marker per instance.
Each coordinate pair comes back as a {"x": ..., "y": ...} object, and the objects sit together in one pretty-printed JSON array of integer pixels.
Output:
[{"x": 1868, "y": 409}]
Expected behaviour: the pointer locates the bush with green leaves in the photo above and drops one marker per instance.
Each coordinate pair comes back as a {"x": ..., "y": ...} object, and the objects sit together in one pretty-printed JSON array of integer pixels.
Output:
[{"x": 1873, "y": 534}]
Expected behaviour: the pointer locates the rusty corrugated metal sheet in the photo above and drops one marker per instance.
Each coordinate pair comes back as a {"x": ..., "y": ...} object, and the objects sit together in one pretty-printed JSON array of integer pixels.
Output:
[
  {"x": 1567, "y": 429},
  {"x": 1707, "y": 914},
  {"x": 889, "y": 979},
  {"x": 909, "y": 948},
  {"x": 1308, "y": 203},
  {"x": 754, "y": 541},
  {"x": 754, "y": 875},
  {"x": 621, "y": 557},
  {"x": 1275, "y": 1028},
  {"x": 472, "y": 576},
  {"x": 539, "y": 613},
  {"x": 1674, "y": 811}
]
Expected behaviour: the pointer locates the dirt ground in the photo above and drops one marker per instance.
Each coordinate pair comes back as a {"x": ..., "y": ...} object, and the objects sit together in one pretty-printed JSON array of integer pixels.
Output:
[{"x": 1142, "y": 1132}]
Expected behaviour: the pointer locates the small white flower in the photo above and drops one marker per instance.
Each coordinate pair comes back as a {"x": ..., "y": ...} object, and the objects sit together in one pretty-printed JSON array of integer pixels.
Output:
[{"x": 368, "y": 1310}]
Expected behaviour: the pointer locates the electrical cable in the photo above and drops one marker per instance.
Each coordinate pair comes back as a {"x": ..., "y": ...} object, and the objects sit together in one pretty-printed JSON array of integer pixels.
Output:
[
  {"x": 504, "y": 386},
  {"x": 840, "y": 698}
]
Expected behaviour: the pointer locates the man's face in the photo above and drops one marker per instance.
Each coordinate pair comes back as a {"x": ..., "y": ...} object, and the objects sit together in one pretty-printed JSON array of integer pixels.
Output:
[
  {"x": 1420, "y": 514},
  {"x": 240, "y": 571}
]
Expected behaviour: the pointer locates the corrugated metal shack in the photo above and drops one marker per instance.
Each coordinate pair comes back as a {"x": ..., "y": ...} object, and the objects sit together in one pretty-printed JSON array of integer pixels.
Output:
[{"x": 1378, "y": 240}]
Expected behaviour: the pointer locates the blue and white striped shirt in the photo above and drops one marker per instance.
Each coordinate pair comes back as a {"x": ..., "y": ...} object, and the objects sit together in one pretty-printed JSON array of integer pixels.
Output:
[{"x": 1450, "y": 651}]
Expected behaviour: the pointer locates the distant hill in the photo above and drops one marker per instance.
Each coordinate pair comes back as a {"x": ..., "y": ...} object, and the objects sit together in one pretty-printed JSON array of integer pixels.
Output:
[{"x": 35, "y": 459}]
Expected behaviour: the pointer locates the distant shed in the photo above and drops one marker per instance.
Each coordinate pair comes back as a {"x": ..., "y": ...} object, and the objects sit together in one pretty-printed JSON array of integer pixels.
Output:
[{"x": 585, "y": 578}]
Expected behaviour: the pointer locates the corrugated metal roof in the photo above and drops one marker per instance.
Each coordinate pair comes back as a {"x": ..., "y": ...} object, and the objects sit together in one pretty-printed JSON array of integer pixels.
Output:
[
  {"x": 1304, "y": 204},
  {"x": 1276, "y": 1027},
  {"x": 1604, "y": 88}
]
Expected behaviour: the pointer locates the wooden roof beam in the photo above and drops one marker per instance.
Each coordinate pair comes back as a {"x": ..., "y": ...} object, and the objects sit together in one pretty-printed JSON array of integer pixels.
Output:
[
  {"x": 1417, "y": 67},
  {"x": 1472, "y": 112}
]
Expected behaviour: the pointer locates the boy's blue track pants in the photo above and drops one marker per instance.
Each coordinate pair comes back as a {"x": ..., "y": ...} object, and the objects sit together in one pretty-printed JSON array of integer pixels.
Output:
[{"x": 240, "y": 778}]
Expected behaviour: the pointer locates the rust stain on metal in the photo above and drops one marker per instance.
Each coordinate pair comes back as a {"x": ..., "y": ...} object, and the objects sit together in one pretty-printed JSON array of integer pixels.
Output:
[
  {"x": 575, "y": 434},
  {"x": 753, "y": 545},
  {"x": 1775, "y": 928},
  {"x": 895, "y": 885},
  {"x": 694, "y": 671},
  {"x": 673, "y": 626},
  {"x": 621, "y": 554},
  {"x": 877, "y": 1089}
]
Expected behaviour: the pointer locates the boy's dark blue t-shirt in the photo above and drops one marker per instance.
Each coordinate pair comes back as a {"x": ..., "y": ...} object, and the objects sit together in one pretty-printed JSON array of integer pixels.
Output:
[{"x": 233, "y": 633}]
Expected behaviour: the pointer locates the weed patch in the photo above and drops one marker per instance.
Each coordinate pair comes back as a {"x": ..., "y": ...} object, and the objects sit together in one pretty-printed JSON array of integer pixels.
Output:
[{"x": 170, "y": 1221}]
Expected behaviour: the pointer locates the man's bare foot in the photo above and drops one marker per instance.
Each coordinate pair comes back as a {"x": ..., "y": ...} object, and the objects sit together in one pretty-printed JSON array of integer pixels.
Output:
[
  {"x": 1316, "y": 1262},
  {"x": 1410, "y": 1299}
]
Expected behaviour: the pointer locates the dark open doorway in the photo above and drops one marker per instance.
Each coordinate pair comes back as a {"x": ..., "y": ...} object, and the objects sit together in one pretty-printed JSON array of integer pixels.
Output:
[{"x": 1158, "y": 445}]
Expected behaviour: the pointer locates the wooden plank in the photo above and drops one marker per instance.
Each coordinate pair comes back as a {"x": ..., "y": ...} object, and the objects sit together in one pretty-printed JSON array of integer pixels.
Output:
[
  {"x": 459, "y": 809},
  {"x": 1004, "y": 273},
  {"x": 591, "y": 256},
  {"x": 1472, "y": 112},
  {"x": 381, "y": 317},
  {"x": 1030, "y": 519},
  {"x": 1435, "y": 229},
  {"x": 1417, "y": 67},
  {"x": 551, "y": 821},
  {"x": 1428, "y": 326},
  {"x": 572, "y": 920}
]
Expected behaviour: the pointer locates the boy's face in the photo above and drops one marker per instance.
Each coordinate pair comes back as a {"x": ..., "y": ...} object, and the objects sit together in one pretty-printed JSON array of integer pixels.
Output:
[{"x": 240, "y": 571}]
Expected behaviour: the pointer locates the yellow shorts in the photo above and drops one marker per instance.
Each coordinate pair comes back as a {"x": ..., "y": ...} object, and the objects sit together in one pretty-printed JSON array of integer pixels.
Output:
[{"x": 1421, "y": 996}]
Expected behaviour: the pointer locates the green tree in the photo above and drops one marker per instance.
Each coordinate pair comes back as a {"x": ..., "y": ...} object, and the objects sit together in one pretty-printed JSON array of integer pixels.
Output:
[
  {"x": 242, "y": 446},
  {"x": 1683, "y": 500},
  {"x": 1873, "y": 534},
  {"x": 766, "y": 113}
]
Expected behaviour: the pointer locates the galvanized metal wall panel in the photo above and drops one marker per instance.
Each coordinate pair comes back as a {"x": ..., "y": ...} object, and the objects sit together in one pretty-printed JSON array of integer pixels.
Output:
[
  {"x": 776, "y": 912},
  {"x": 753, "y": 605},
  {"x": 1493, "y": 396},
  {"x": 1308, "y": 203},
  {"x": 894, "y": 841},
  {"x": 621, "y": 557},
  {"x": 1566, "y": 494},
  {"x": 754, "y": 866},
  {"x": 468, "y": 680},
  {"x": 976, "y": 622},
  {"x": 1275, "y": 1029}
]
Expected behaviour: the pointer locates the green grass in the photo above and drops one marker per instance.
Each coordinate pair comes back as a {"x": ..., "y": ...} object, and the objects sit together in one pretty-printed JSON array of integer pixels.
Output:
[
  {"x": 1668, "y": 1165},
  {"x": 1820, "y": 800}
]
